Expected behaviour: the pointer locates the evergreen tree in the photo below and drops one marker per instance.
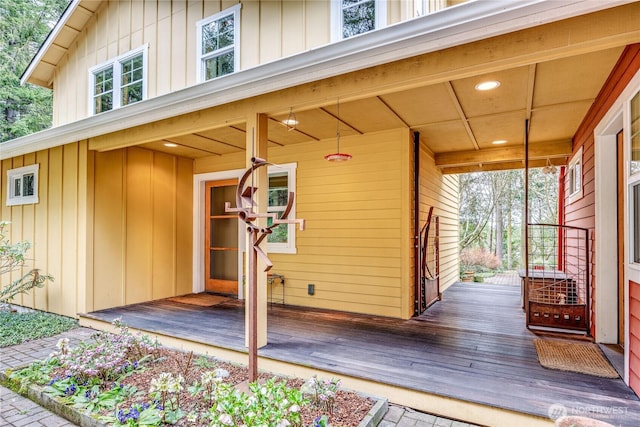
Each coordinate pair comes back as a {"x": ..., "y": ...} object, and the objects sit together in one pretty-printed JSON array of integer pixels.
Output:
[{"x": 24, "y": 25}]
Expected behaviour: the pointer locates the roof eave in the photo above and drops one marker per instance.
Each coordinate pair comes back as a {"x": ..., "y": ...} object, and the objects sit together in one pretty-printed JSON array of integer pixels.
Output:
[
  {"x": 55, "y": 31},
  {"x": 450, "y": 27}
]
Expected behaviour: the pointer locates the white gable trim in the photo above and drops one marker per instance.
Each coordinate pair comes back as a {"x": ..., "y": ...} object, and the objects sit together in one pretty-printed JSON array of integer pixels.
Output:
[{"x": 49, "y": 40}]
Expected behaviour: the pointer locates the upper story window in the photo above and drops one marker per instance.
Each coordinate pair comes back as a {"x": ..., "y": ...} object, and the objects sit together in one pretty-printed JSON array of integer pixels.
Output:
[
  {"x": 282, "y": 181},
  {"x": 574, "y": 176},
  {"x": 352, "y": 17},
  {"x": 424, "y": 7},
  {"x": 22, "y": 185},
  {"x": 219, "y": 44},
  {"x": 118, "y": 82}
]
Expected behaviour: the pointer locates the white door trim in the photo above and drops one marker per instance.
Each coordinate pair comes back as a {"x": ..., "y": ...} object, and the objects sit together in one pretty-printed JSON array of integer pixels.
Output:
[
  {"x": 198, "y": 228},
  {"x": 616, "y": 117},
  {"x": 606, "y": 252}
]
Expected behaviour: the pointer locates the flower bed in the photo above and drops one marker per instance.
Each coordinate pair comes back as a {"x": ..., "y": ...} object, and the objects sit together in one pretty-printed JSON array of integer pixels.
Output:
[{"x": 126, "y": 380}]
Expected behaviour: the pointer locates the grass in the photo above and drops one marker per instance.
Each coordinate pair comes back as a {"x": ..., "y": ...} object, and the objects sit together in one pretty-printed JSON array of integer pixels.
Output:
[{"x": 16, "y": 328}]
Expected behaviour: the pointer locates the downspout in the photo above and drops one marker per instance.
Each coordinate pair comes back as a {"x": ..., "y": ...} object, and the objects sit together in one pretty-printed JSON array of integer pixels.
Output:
[
  {"x": 561, "y": 190},
  {"x": 416, "y": 224},
  {"x": 526, "y": 220}
]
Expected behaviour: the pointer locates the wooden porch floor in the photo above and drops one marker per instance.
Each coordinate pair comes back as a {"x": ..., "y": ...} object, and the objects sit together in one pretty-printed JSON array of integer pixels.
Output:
[{"x": 472, "y": 346}]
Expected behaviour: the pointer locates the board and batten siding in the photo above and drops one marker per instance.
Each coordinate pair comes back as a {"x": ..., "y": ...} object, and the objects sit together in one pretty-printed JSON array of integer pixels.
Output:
[
  {"x": 356, "y": 245},
  {"x": 55, "y": 226},
  {"x": 357, "y": 248},
  {"x": 441, "y": 192},
  {"x": 142, "y": 246},
  {"x": 269, "y": 30}
]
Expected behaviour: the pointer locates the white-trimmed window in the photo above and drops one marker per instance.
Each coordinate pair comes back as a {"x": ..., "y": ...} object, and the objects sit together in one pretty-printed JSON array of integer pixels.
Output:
[
  {"x": 574, "y": 177},
  {"x": 282, "y": 181},
  {"x": 118, "y": 82},
  {"x": 424, "y": 7},
  {"x": 22, "y": 185},
  {"x": 218, "y": 44},
  {"x": 353, "y": 17}
]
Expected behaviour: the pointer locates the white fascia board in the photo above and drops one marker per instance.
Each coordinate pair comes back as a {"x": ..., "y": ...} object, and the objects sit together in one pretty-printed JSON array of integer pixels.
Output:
[
  {"x": 449, "y": 27},
  {"x": 71, "y": 7}
]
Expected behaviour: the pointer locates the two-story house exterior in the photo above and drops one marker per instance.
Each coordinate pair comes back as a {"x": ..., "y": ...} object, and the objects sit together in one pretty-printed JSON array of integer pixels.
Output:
[{"x": 159, "y": 106}]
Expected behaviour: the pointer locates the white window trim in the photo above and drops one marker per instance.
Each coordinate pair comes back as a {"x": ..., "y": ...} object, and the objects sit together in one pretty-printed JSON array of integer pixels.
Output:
[
  {"x": 290, "y": 246},
  {"x": 632, "y": 180},
  {"x": 336, "y": 18},
  {"x": 117, "y": 86},
  {"x": 425, "y": 7},
  {"x": 235, "y": 10},
  {"x": 12, "y": 174},
  {"x": 577, "y": 193}
]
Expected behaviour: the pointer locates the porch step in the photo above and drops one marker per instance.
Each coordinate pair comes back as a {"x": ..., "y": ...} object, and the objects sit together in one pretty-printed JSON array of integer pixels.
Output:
[{"x": 443, "y": 406}]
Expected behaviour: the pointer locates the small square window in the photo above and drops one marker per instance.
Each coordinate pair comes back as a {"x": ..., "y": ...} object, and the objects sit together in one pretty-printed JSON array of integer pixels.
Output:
[
  {"x": 22, "y": 185},
  {"x": 574, "y": 177}
]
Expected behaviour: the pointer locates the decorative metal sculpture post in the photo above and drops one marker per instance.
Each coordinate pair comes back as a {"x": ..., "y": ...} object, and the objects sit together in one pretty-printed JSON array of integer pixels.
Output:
[{"x": 245, "y": 204}]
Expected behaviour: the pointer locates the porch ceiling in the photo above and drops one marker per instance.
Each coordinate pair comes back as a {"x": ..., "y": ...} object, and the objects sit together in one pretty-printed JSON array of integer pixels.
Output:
[{"x": 456, "y": 121}]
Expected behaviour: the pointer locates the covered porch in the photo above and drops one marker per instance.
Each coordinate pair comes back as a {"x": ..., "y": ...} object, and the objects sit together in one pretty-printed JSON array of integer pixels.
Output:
[{"x": 469, "y": 357}]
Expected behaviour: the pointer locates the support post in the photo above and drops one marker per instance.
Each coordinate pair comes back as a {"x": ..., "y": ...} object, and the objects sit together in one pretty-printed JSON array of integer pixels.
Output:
[
  {"x": 257, "y": 140},
  {"x": 252, "y": 307}
]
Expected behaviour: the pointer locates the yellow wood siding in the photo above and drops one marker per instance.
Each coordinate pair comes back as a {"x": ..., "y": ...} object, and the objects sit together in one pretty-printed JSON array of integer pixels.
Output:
[
  {"x": 353, "y": 248},
  {"x": 54, "y": 226},
  {"x": 269, "y": 30},
  {"x": 441, "y": 192},
  {"x": 142, "y": 225},
  {"x": 356, "y": 247}
]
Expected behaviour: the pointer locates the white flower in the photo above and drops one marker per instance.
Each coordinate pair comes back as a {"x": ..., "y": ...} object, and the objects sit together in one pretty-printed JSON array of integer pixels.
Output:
[
  {"x": 283, "y": 423},
  {"x": 226, "y": 419},
  {"x": 294, "y": 409},
  {"x": 221, "y": 373}
]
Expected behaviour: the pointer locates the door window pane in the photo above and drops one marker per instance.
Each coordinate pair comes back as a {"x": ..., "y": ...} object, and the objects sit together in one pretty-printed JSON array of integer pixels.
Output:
[
  {"x": 224, "y": 232},
  {"x": 221, "y": 195},
  {"x": 224, "y": 265}
]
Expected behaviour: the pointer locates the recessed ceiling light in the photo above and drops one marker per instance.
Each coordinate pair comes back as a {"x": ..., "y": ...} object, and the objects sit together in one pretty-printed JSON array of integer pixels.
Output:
[
  {"x": 170, "y": 144},
  {"x": 488, "y": 85},
  {"x": 499, "y": 141}
]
